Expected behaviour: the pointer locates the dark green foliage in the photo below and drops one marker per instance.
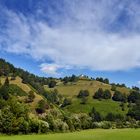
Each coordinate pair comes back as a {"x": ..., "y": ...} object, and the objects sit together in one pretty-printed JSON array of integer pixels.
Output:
[
  {"x": 118, "y": 96},
  {"x": 13, "y": 117},
  {"x": 122, "y": 105},
  {"x": 98, "y": 94},
  {"x": 135, "y": 88},
  {"x": 53, "y": 97},
  {"x": 4, "y": 93},
  {"x": 52, "y": 84},
  {"x": 83, "y": 93},
  {"x": 2, "y": 103},
  {"x": 96, "y": 116},
  {"x": 106, "y": 81},
  {"x": 42, "y": 106},
  {"x": 6, "y": 83},
  {"x": 100, "y": 79},
  {"x": 6, "y": 68},
  {"x": 114, "y": 117},
  {"x": 134, "y": 96},
  {"x": 107, "y": 94},
  {"x": 72, "y": 78},
  {"x": 31, "y": 97},
  {"x": 134, "y": 112},
  {"x": 66, "y": 102},
  {"x": 85, "y": 120},
  {"x": 120, "y": 85}
]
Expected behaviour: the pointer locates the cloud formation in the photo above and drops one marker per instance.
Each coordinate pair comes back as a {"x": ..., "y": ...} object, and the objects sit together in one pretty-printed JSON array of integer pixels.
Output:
[{"x": 99, "y": 35}]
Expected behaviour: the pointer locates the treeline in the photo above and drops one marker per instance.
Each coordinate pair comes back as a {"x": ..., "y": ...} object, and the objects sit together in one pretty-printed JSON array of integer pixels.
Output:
[
  {"x": 103, "y": 80},
  {"x": 132, "y": 97},
  {"x": 67, "y": 79},
  {"x": 7, "y": 69}
]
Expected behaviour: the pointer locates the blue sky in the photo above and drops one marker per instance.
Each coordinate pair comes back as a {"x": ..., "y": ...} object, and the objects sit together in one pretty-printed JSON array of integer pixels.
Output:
[{"x": 62, "y": 37}]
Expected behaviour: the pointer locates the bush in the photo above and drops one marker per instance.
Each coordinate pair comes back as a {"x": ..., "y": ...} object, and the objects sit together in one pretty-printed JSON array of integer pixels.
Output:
[
  {"x": 34, "y": 125},
  {"x": 96, "y": 116},
  {"x": 107, "y": 94},
  {"x": 42, "y": 106},
  {"x": 83, "y": 93},
  {"x": 114, "y": 117},
  {"x": 134, "y": 112},
  {"x": 66, "y": 102},
  {"x": 106, "y": 125},
  {"x": 98, "y": 94},
  {"x": 118, "y": 96},
  {"x": 31, "y": 97},
  {"x": 14, "y": 118},
  {"x": 134, "y": 96},
  {"x": 44, "y": 126},
  {"x": 52, "y": 84}
]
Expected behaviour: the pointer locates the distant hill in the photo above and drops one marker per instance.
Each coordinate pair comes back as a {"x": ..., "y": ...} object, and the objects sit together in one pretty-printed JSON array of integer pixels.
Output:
[{"x": 71, "y": 90}]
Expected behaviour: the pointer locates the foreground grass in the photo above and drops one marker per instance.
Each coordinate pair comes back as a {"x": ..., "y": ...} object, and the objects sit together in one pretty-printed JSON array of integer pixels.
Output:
[{"x": 98, "y": 134}]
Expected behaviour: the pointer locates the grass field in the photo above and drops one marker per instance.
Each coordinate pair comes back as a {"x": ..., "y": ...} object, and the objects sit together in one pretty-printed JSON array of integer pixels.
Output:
[
  {"x": 98, "y": 134},
  {"x": 103, "y": 106}
]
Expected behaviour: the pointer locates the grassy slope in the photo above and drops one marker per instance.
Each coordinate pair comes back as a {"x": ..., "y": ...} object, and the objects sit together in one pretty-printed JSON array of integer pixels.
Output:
[
  {"x": 112, "y": 134},
  {"x": 25, "y": 88},
  {"x": 71, "y": 90},
  {"x": 103, "y": 106}
]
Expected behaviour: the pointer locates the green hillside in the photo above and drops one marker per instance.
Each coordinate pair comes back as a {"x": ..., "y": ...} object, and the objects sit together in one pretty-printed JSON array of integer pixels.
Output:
[{"x": 71, "y": 90}]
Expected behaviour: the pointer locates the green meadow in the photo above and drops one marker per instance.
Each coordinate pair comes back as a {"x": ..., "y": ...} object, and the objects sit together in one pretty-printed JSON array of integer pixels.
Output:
[{"x": 96, "y": 134}]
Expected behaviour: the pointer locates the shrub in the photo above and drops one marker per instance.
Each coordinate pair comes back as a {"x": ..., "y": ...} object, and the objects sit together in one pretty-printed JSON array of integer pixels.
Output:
[
  {"x": 52, "y": 84},
  {"x": 96, "y": 116},
  {"x": 83, "y": 93},
  {"x": 118, "y": 96},
  {"x": 42, "y": 106},
  {"x": 66, "y": 102},
  {"x": 98, "y": 94},
  {"x": 31, "y": 97},
  {"x": 134, "y": 96},
  {"x": 107, "y": 94}
]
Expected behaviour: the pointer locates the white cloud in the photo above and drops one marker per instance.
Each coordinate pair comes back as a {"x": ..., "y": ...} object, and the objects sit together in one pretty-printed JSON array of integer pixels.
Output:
[
  {"x": 49, "y": 68},
  {"x": 52, "y": 69},
  {"x": 79, "y": 38}
]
